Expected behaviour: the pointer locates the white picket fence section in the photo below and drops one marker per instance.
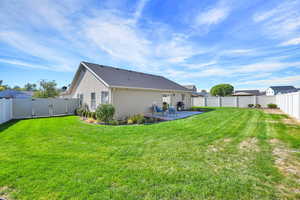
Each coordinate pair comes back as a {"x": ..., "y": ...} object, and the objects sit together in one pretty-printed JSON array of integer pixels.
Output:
[
  {"x": 289, "y": 103},
  {"x": 5, "y": 110},
  {"x": 34, "y": 108}
]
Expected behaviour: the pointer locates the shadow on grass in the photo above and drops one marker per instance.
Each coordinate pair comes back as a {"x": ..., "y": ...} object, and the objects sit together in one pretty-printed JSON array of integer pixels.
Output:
[{"x": 6, "y": 125}]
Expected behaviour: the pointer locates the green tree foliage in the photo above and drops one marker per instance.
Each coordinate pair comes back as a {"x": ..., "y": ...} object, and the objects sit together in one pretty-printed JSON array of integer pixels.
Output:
[
  {"x": 222, "y": 90},
  {"x": 30, "y": 87},
  {"x": 105, "y": 112},
  {"x": 47, "y": 89}
]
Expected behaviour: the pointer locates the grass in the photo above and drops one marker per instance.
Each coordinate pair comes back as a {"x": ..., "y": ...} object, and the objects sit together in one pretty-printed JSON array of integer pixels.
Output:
[{"x": 222, "y": 154}]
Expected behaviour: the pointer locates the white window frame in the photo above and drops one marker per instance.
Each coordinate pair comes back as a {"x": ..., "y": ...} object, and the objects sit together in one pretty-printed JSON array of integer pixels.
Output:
[
  {"x": 102, "y": 97},
  {"x": 93, "y": 100}
]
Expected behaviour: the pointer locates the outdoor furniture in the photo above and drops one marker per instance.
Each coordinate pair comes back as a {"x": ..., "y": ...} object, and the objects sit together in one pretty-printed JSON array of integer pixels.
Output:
[
  {"x": 157, "y": 109},
  {"x": 172, "y": 110}
]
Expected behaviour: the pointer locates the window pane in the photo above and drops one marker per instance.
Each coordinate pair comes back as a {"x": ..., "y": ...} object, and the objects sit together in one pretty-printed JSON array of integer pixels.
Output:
[
  {"x": 104, "y": 97},
  {"x": 93, "y": 100}
]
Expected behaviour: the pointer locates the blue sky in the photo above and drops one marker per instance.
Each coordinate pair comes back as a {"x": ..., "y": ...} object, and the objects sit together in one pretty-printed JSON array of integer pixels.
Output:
[{"x": 250, "y": 44}]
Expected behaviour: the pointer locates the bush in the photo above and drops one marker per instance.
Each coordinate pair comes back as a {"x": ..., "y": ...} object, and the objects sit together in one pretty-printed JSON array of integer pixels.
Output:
[
  {"x": 105, "y": 112},
  {"x": 250, "y": 105},
  {"x": 257, "y": 106},
  {"x": 165, "y": 106},
  {"x": 114, "y": 122},
  {"x": 272, "y": 106},
  {"x": 136, "y": 119}
]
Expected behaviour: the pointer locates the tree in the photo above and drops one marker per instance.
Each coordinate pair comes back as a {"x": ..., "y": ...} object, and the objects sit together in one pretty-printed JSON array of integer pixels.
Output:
[
  {"x": 47, "y": 89},
  {"x": 16, "y": 87},
  {"x": 30, "y": 87},
  {"x": 3, "y": 87},
  {"x": 222, "y": 90}
]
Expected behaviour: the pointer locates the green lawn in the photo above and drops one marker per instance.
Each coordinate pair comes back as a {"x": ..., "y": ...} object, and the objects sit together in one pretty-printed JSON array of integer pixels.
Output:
[{"x": 227, "y": 153}]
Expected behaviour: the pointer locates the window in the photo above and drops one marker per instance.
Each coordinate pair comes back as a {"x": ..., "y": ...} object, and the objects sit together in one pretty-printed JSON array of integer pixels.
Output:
[
  {"x": 93, "y": 100},
  {"x": 182, "y": 97},
  {"x": 81, "y": 99},
  {"x": 104, "y": 97}
]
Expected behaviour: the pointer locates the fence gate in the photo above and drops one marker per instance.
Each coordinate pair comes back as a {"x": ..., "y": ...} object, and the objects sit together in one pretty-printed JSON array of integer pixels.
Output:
[{"x": 30, "y": 108}]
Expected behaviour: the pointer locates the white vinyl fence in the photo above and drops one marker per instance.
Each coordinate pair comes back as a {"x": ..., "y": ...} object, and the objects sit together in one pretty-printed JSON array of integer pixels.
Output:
[
  {"x": 5, "y": 110},
  {"x": 33, "y": 108},
  {"x": 289, "y": 103},
  {"x": 241, "y": 101}
]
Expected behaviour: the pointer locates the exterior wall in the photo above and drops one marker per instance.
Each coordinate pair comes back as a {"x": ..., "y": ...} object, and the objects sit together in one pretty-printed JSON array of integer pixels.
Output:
[
  {"x": 270, "y": 92},
  {"x": 241, "y": 102},
  {"x": 87, "y": 84},
  {"x": 133, "y": 101}
]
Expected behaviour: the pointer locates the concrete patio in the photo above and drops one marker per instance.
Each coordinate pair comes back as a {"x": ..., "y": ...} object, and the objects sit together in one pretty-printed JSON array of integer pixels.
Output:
[{"x": 178, "y": 115}]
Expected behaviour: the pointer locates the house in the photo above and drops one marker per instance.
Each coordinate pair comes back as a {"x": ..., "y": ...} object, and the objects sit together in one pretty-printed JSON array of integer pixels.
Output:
[
  {"x": 130, "y": 92},
  {"x": 191, "y": 87},
  {"x": 274, "y": 90},
  {"x": 15, "y": 94},
  {"x": 247, "y": 93}
]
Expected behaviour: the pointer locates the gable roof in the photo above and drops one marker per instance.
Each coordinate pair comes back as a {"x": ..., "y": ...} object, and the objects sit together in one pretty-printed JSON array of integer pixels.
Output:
[
  {"x": 121, "y": 78},
  {"x": 280, "y": 88},
  {"x": 246, "y": 92},
  {"x": 283, "y": 89}
]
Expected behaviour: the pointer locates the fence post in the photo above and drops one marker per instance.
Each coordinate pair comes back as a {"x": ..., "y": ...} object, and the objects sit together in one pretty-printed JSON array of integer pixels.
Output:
[
  {"x": 237, "y": 101},
  {"x": 220, "y": 102},
  {"x": 255, "y": 100},
  {"x": 205, "y": 101}
]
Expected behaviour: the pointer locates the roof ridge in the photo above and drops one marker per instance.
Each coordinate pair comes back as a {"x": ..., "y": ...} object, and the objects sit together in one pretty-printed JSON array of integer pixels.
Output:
[{"x": 117, "y": 68}]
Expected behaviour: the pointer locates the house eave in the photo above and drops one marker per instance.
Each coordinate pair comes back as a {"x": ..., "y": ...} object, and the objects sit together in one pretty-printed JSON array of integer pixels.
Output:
[{"x": 152, "y": 89}]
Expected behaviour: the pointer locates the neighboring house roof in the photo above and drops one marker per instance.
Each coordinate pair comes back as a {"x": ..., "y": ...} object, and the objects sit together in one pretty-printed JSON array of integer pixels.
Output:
[
  {"x": 246, "y": 93},
  {"x": 16, "y": 94},
  {"x": 283, "y": 89},
  {"x": 121, "y": 78},
  {"x": 191, "y": 87}
]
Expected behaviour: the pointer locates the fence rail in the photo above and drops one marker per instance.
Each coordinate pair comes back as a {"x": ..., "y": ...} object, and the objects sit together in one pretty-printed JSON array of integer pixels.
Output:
[
  {"x": 5, "y": 110},
  {"x": 241, "y": 102}
]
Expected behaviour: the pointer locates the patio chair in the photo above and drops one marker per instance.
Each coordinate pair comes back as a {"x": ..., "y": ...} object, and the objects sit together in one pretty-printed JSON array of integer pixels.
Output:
[
  {"x": 172, "y": 110},
  {"x": 158, "y": 110}
]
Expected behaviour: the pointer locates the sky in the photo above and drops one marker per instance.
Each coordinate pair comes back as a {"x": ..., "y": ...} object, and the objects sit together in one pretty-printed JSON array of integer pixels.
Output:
[{"x": 250, "y": 44}]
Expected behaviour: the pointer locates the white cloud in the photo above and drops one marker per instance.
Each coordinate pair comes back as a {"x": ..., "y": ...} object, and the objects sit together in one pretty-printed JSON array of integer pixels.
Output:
[
  {"x": 139, "y": 9},
  {"x": 118, "y": 37},
  {"x": 294, "y": 41},
  {"x": 288, "y": 80},
  {"x": 266, "y": 67},
  {"x": 30, "y": 65},
  {"x": 199, "y": 65},
  {"x": 212, "y": 16},
  {"x": 238, "y": 51},
  {"x": 281, "y": 21}
]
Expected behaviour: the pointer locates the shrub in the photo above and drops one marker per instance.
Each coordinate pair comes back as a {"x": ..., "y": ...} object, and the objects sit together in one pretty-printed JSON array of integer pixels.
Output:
[
  {"x": 93, "y": 115},
  {"x": 136, "y": 119},
  {"x": 250, "y": 105},
  {"x": 165, "y": 106},
  {"x": 114, "y": 122},
  {"x": 78, "y": 111},
  {"x": 105, "y": 112},
  {"x": 272, "y": 106},
  {"x": 257, "y": 106}
]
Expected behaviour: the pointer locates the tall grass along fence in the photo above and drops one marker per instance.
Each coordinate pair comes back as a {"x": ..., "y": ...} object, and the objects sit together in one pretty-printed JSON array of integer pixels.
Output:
[
  {"x": 34, "y": 108},
  {"x": 289, "y": 103},
  {"x": 241, "y": 101},
  {"x": 5, "y": 110}
]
